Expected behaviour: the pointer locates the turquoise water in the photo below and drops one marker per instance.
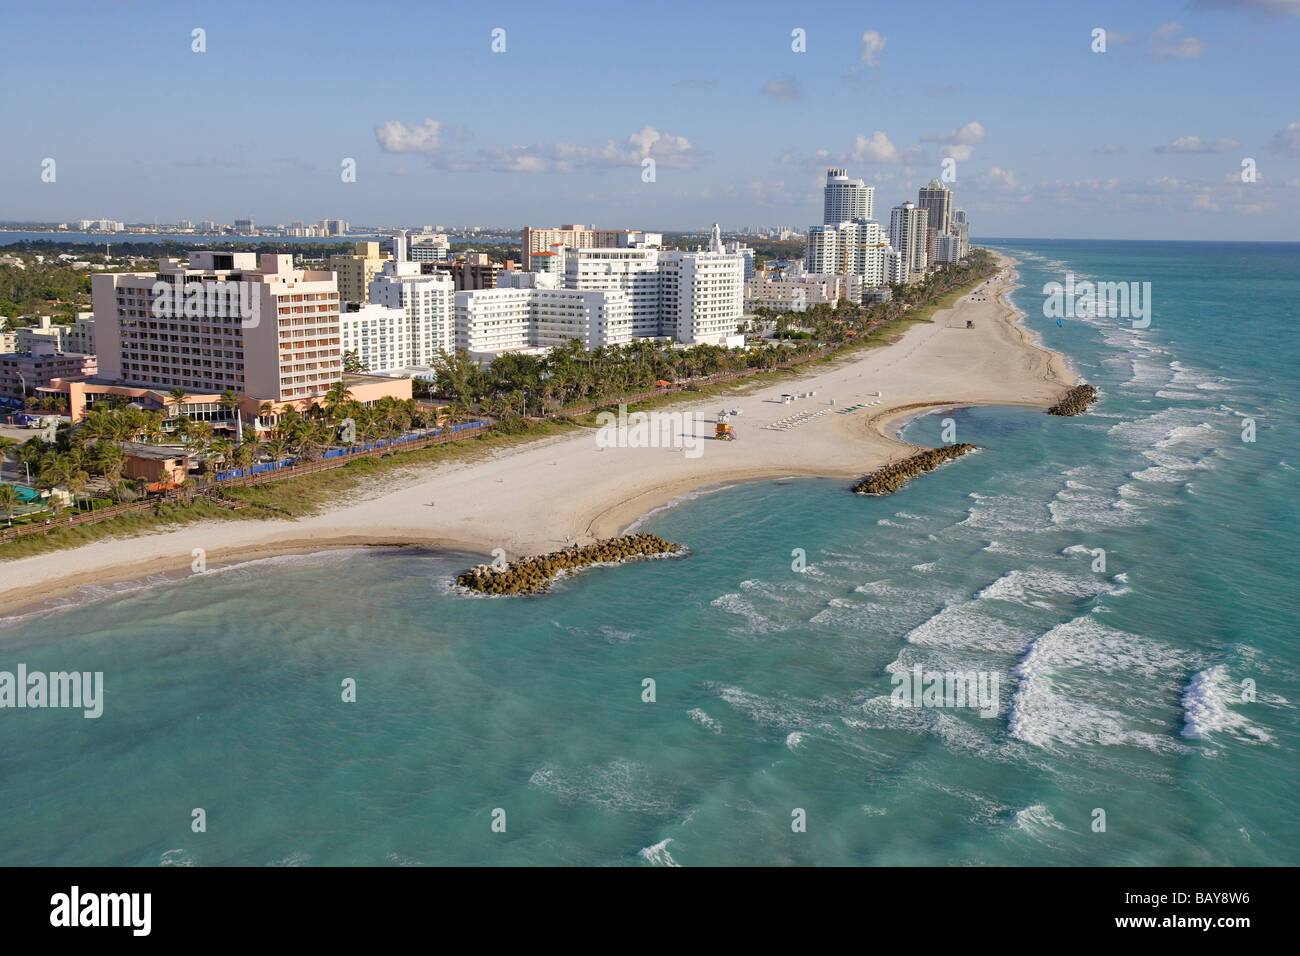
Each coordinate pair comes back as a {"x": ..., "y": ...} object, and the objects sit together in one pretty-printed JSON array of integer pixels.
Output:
[{"x": 1119, "y": 689}]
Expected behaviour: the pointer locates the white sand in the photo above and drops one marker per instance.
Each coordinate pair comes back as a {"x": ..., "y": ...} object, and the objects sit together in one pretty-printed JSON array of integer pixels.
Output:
[{"x": 542, "y": 495}]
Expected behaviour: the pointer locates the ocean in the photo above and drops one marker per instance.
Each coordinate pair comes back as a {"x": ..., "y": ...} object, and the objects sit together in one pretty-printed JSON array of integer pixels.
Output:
[{"x": 1124, "y": 580}]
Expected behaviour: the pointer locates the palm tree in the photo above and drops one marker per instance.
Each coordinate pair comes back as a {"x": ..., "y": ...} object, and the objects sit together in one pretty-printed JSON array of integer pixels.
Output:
[
  {"x": 276, "y": 448},
  {"x": 338, "y": 395},
  {"x": 229, "y": 400},
  {"x": 176, "y": 398},
  {"x": 8, "y": 501}
]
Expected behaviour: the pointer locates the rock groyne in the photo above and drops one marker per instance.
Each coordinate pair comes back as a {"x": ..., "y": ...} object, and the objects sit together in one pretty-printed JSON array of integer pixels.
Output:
[
  {"x": 533, "y": 575},
  {"x": 1076, "y": 401},
  {"x": 892, "y": 477}
]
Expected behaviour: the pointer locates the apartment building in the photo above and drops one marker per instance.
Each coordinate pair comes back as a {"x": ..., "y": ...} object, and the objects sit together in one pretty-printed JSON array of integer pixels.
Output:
[
  {"x": 575, "y": 236},
  {"x": 357, "y": 269},
  {"x": 908, "y": 233},
  {"x": 22, "y": 373},
  {"x": 426, "y": 303}
]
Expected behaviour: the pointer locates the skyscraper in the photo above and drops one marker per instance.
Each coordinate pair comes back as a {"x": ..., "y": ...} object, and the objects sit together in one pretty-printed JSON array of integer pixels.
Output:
[
  {"x": 936, "y": 198},
  {"x": 846, "y": 200},
  {"x": 908, "y": 225}
]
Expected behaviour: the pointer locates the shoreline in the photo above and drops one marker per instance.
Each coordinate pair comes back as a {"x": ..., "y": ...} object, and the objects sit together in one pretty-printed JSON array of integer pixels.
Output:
[{"x": 535, "y": 497}]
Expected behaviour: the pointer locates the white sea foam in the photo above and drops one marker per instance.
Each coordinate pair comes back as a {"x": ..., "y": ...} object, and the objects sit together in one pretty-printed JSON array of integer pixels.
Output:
[
  {"x": 1036, "y": 819},
  {"x": 658, "y": 854},
  {"x": 968, "y": 625},
  {"x": 620, "y": 786},
  {"x": 1207, "y": 708},
  {"x": 397, "y": 859},
  {"x": 1032, "y": 585},
  {"x": 704, "y": 720},
  {"x": 755, "y": 621},
  {"x": 1058, "y": 700}
]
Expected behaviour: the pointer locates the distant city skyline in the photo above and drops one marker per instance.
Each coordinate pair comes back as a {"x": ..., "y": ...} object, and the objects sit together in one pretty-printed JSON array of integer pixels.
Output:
[{"x": 1160, "y": 136}]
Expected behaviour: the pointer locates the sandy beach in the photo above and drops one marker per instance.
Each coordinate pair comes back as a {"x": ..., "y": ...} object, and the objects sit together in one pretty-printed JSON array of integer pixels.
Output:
[{"x": 543, "y": 495}]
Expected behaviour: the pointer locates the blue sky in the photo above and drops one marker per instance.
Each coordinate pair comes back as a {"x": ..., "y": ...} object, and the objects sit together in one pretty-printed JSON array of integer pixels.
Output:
[{"x": 1145, "y": 140}]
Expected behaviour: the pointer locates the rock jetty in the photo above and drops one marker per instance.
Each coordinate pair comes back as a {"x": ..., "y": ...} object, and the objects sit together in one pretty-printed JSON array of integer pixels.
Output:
[
  {"x": 534, "y": 575},
  {"x": 1076, "y": 401},
  {"x": 892, "y": 477}
]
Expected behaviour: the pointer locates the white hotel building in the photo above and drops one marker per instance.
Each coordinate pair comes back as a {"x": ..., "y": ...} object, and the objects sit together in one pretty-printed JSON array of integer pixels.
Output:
[
  {"x": 409, "y": 317},
  {"x": 491, "y": 321},
  {"x": 601, "y": 296}
]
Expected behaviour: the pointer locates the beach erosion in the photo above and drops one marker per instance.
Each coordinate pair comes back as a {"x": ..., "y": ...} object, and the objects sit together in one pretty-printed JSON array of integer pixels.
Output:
[{"x": 573, "y": 489}]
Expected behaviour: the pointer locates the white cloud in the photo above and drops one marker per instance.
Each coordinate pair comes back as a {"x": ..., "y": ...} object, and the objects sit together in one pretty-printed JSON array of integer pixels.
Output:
[
  {"x": 1287, "y": 141},
  {"x": 397, "y": 137},
  {"x": 784, "y": 87},
  {"x": 1194, "y": 144},
  {"x": 429, "y": 139},
  {"x": 873, "y": 44},
  {"x": 958, "y": 144},
  {"x": 1166, "y": 44},
  {"x": 997, "y": 177},
  {"x": 878, "y": 149}
]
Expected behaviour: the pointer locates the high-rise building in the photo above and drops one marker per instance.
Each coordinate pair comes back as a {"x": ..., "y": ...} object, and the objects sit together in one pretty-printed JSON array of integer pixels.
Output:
[
  {"x": 426, "y": 300},
  {"x": 225, "y": 320},
  {"x": 849, "y": 249},
  {"x": 690, "y": 297},
  {"x": 245, "y": 226},
  {"x": 429, "y": 247},
  {"x": 849, "y": 242},
  {"x": 356, "y": 270},
  {"x": 491, "y": 321},
  {"x": 581, "y": 237},
  {"x": 936, "y": 199},
  {"x": 908, "y": 225},
  {"x": 947, "y": 249},
  {"x": 846, "y": 200},
  {"x": 380, "y": 338},
  {"x": 702, "y": 294}
]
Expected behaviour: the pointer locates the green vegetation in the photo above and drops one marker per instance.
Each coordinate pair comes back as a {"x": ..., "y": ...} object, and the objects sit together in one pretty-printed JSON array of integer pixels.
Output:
[
  {"x": 49, "y": 288},
  {"x": 517, "y": 385},
  {"x": 88, "y": 459}
]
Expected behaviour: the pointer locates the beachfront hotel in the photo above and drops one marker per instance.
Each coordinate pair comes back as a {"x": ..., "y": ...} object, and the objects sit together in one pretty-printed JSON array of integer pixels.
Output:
[
  {"x": 236, "y": 321},
  {"x": 539, "y": 316},
  {"x": 851, "y": 249},
  {"x": 609, "y": 296},
  {"x": 845, "y": 199},
  {"x": 268, "y": 329}
]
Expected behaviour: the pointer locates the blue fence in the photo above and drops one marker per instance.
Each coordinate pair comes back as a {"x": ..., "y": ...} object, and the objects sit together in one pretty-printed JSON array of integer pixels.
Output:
[{"x": 383, "y": 443}]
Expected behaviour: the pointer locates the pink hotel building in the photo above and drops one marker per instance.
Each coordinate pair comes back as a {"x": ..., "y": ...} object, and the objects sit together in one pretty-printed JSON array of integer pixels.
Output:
[{"x": 265, "y": 330}]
